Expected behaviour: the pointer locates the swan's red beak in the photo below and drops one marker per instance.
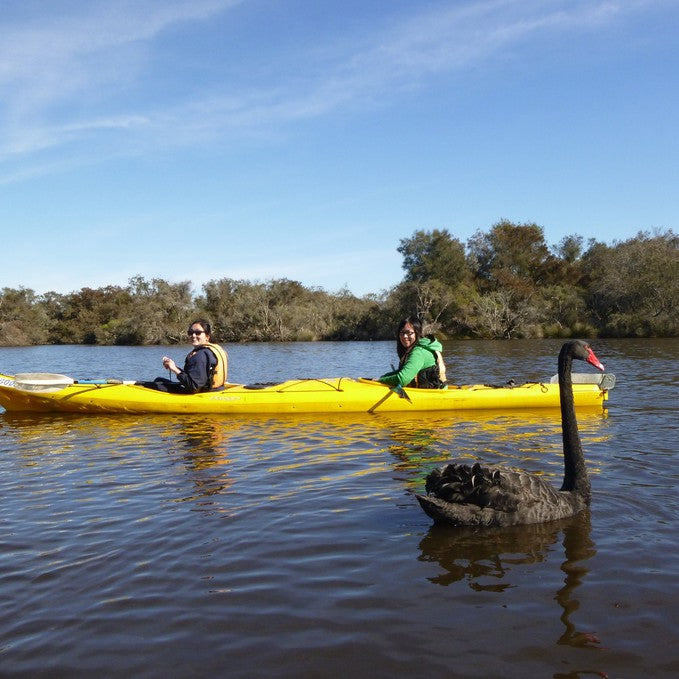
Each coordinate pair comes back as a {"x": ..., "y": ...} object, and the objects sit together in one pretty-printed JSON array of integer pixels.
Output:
[{"x": 591, "y": 358}]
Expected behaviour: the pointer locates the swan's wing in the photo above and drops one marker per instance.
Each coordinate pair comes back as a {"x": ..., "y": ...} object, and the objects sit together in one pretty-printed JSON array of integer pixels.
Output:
[
  {"x": 526, "y": 489},
  {"x": 463, "y": 495},
  {"x": 461, "y": 514}
]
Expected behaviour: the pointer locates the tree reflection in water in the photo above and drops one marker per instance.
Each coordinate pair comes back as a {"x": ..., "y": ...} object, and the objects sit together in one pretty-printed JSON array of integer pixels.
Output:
[{"x": 474, "y": 555}]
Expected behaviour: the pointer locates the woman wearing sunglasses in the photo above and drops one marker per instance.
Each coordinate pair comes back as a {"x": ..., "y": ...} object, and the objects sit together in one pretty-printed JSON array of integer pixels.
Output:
[
  {"x": 205, "y": 366},
  {"x": 420, "y": 359}
]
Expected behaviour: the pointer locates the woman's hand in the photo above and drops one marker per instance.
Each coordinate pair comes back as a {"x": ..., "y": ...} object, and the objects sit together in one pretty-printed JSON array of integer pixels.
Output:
[{"x": 170, "y": 365}]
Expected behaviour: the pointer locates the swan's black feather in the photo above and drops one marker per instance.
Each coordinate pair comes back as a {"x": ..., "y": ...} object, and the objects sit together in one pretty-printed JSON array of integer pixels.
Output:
[{"x": 483, "y": 496}]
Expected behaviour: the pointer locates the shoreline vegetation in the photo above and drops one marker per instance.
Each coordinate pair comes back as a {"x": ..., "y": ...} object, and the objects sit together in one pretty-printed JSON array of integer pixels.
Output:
[{"x": 503, "y": 283}]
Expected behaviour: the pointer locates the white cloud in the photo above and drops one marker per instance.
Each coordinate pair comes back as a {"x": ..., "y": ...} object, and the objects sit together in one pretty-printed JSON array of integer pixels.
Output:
[{"x": 54, "y": 62}]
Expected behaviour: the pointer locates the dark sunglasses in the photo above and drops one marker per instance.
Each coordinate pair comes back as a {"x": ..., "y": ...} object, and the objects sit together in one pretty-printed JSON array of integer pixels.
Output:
[{"x": 195, "y": 332}]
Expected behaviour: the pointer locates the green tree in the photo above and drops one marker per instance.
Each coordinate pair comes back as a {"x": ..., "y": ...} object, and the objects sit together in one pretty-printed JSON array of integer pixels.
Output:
[
  {"x": 22, "y": 320},
  {"x": 562, "y": 312},
  {"x": 160, "y": 312},
  {"x": 512, "y": 257},
  {"x": 434, "y": 255},
  {"x": 502, "y": 313},
  {"x": 84, "y": 315},
  {"x": 278, "y": 310},
  {"x": 507, "y": 284},
  {"x": 437, "y": 273},
  {"x": 568, "y": 269},
  {"x": 354, "y": 318},
  {"x": 633, "y": 286}
]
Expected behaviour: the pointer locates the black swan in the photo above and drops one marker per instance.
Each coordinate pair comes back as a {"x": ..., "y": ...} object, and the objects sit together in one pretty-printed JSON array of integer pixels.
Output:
[{"x": 461, "y": 495}]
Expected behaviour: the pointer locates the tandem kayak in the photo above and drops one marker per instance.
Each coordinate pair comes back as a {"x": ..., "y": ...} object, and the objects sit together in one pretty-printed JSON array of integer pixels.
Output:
[{"x": 49, "y": 392}]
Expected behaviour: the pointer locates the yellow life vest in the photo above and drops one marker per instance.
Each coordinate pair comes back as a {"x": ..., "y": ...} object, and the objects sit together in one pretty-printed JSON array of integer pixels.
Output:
[
  {"x": 218, "y": 377},
  {"x": 441, "y": 366}
]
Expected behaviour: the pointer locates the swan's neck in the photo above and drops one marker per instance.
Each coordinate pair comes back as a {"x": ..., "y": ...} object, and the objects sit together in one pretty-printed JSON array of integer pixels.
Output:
[{"x": 575, "y": 472}]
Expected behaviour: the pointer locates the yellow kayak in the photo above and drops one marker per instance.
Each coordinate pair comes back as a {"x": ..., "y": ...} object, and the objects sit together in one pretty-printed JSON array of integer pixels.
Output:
[{"x": 48, "y": 392}]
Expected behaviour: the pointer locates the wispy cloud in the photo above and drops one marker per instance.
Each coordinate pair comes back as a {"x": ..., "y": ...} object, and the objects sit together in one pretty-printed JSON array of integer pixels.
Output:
[
  {"x": 52, "y": 63},
  {"x": 56, "y": 71}
]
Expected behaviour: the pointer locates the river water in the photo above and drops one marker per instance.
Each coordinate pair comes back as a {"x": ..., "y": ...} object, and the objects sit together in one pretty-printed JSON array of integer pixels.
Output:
[{"x": 293, "y": 546}]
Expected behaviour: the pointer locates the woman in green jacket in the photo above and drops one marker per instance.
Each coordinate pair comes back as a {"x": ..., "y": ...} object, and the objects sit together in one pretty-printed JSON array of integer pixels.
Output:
[{"x": 420, "y": 360}]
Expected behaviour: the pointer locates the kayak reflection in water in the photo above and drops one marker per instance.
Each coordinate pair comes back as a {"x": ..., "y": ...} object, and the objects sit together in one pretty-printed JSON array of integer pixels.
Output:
[
  {"x": 420, "y": 359},
  {"x": 205, "y": 366}
]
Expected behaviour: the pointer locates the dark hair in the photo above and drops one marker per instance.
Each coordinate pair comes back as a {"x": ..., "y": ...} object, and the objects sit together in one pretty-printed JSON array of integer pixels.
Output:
[
  {"x": 207, "y": 328},
  {"x": 417, "y": 327}
]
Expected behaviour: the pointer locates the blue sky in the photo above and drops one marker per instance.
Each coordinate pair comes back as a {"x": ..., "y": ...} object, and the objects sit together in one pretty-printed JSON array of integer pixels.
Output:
[{"x": 302, "y": 139}]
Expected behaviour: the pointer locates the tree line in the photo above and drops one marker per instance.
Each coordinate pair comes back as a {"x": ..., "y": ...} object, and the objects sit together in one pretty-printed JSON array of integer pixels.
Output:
[{"x": 506, "y": 282}]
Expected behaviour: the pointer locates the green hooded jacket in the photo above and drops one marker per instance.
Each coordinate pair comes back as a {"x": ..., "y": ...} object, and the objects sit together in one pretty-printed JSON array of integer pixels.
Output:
[{"x": 421, "y": 357}]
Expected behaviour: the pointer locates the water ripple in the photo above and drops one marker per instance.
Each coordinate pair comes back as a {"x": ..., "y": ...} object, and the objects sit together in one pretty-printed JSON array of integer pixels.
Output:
[{"x": 182, "y": 546}]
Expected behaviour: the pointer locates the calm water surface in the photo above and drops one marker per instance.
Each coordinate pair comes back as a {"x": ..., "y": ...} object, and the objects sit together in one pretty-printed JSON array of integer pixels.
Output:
[{"x": 293, "y": 546}]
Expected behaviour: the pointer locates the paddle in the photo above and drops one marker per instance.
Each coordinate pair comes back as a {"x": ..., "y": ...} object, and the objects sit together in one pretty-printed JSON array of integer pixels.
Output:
[
  {"x": 398, "y": 389},
  {"x": 46, "y": 382}
]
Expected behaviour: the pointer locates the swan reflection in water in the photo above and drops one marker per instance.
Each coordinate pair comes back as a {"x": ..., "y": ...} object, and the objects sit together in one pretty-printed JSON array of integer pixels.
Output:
[{"x": 479, "y": 555}]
